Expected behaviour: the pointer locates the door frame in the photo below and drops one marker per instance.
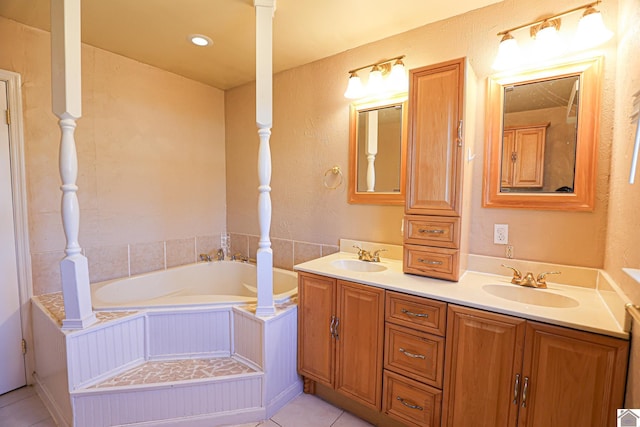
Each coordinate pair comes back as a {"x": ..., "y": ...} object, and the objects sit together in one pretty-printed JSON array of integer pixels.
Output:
[{"x": 20, "y": 213}]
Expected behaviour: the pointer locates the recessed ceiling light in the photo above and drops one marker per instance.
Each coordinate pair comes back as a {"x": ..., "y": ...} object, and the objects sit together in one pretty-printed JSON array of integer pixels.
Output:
[{"x": 200, "y": 40}]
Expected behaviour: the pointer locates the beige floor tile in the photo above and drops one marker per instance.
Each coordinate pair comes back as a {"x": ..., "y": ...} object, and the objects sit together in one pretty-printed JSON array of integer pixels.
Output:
[
  {"x": 349, "y": 420},
  {"x": 313, "y": 411},
  {"x": 16, "y": 395},
  {"x": 24, "y": 413}
]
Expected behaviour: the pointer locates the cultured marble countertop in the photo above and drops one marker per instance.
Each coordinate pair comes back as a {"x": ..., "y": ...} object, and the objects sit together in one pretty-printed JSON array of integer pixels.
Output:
[{"x": 589, "y": 314}]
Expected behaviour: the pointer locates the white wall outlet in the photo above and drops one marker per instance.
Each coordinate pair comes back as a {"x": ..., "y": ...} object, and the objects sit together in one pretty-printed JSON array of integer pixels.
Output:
[{"x": 500, "y": 234}]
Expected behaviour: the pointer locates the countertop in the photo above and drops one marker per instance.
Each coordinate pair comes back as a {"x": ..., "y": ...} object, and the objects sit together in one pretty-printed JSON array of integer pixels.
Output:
[{"x": 588, "y": 313}]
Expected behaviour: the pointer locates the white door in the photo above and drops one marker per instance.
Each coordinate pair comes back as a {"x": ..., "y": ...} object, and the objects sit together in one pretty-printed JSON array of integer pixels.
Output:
[{"x": 12, "y": 372}]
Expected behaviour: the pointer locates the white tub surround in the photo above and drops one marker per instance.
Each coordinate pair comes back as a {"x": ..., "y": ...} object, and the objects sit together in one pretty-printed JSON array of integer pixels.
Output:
[
  {"x": 173, "y": 367},
  {"x": 264, "y": 119},
  {"x": 587, "y": 310},
  {"x": 206, "y": 284},
  {"x": 67, "y": 105}
]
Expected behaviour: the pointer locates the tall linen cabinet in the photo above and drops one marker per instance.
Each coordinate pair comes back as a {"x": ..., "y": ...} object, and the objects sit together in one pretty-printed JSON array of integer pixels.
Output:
[{"x": 442, "y": 106}]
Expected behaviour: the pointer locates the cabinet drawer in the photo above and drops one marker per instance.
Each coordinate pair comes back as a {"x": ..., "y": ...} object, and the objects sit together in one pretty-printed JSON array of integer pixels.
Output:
[
  {"x": 441, "y": 263},
  {"x": 411, "y": 402},
  {"x": 416, "y": 312},
  {"x": 438, "y": 231},
  {"x": 417, "y": 355}
]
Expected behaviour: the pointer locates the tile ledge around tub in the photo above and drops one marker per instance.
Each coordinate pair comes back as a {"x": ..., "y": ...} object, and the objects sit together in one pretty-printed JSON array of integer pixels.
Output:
[{"x": 634, "y": 273}]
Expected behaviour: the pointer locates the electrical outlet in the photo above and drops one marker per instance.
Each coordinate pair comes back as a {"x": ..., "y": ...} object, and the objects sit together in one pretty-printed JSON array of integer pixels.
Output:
[{"x": 500, "y": 234}]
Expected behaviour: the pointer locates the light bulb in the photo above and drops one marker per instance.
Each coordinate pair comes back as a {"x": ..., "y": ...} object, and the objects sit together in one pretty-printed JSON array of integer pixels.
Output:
[
  {"x": 375, "y": 85},
  {"x": 397, "y": 80},
  {"x": 355, "y": 89},
  {"x": 591, "y": 30},
  {"x": 509, "y": 54},
  {"x": 548, "y": 43}
]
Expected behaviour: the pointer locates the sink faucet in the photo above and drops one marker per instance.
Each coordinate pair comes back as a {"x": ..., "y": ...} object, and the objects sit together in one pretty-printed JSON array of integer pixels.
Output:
[
  {"x": 364, "y": 255},
  {"x": 529, "y": 280}
]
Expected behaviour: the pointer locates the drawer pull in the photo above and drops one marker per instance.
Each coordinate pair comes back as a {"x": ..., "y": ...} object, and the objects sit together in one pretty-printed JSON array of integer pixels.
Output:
[
  {"x": 332, "y": 326},
  {"x": 335, "y": 328},
  {"x": 429, "y": 261},
  {"x": 424, "y": 230},
  {"x": 411, "y": 313},
  {"x": 406, "y": 353},
  {"x": 409, "y": 405}
]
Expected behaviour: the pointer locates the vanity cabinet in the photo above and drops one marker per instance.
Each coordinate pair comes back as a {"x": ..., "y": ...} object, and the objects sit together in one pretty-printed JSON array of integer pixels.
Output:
[
  {"x": 340, "y": 336},
  {"x": 434, "y": 200},
  {"x": 414, "y": 359},
  {"x": 523, "y": 156},
  {"x": 506, "y": 371}
]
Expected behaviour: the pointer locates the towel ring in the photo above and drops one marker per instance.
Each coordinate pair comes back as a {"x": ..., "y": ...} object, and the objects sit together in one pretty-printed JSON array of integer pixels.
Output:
[{"x": 334, "y": 171}]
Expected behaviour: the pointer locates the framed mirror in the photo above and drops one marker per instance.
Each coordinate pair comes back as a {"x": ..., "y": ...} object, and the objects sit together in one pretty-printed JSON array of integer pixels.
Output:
[
  {"x": 542, "y": 137},
  {"x": 377, "y": 151}
]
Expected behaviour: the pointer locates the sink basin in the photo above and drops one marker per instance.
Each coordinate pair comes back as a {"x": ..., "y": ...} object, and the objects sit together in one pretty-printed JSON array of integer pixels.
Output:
[
  {"x": 357, "y": 265},
  {"x": 530, "y": 296}
]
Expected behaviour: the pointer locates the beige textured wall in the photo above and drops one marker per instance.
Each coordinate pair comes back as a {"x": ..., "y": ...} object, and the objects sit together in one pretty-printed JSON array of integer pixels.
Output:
[
  {"x": 310, "y": 135},
  {"x": 623, "y": 237},
  {"x": 151, "y": 160}
]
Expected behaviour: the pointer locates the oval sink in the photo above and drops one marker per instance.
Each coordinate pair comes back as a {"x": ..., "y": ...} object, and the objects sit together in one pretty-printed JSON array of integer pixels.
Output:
[
  {"x": 357, "y": 265},
  {"x": 530, "y": 296}
]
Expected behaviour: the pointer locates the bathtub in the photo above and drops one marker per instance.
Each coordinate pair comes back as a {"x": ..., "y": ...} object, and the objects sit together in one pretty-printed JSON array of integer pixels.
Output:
[{"x": 206, "y": 283}]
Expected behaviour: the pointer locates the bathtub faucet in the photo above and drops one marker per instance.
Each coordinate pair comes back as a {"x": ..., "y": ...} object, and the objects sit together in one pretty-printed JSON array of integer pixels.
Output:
[
  {"x": 239, "y": 257},
  {"x": 205, "y": 257},
  {"x": 220, "y": 255}
]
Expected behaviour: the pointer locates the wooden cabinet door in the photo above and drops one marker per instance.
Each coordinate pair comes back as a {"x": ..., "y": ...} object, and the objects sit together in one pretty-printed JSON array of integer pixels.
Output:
[
  {"x": 483, "y": 360},
  {"x": 529, "y": 166},
  {"x": 435, "y": 144},
  {"x": 508, "y": 158},
  {"x": 359, "y": 341},
  {"x": 316, "y": 311},
  {"x": 572, "y": 378}
]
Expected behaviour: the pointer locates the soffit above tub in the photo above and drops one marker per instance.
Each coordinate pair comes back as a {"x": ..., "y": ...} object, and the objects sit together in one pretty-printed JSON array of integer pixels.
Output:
[{"x": 155, "y": 31}]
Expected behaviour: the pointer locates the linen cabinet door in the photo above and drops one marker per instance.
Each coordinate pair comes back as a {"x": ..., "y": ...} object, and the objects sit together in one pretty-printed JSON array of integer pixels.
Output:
[
  {"x": 316, "y": 317},
  {"x": 435, "y": 140},
  {"x": 571, "y": 377},
  {"x": 359, "y": 341},
  {"x": 483, "y": 358}
]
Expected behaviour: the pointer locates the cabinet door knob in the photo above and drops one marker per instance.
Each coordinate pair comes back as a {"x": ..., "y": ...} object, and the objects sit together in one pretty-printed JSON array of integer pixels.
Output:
[{"x": 409, "y": 405}]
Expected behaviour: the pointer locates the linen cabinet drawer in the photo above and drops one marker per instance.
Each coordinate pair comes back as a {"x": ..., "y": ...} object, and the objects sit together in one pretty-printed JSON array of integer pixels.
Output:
[
  {"x": 438, "y": 231},
  {"x": 416, "y": 312},
  {"x": 417, "y": 355},
  {"x": 411, "y": 402},
  {"x": 441, "y": 263}
]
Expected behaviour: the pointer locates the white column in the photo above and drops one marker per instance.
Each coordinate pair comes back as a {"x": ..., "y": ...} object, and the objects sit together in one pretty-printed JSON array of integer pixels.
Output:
[
  {"x": 372, "y": 149},
  {"x": 67, "y": 105},
  {"x": 264, "y": 118}
]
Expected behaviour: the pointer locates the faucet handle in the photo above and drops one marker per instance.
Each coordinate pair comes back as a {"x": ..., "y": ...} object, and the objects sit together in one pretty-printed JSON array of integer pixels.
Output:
[
  {"x": 517, "y": 275},
  {"x": 375, "y": 257},
  {"x": 542, "y": 280},
  {"x": 205, "y": 257}
]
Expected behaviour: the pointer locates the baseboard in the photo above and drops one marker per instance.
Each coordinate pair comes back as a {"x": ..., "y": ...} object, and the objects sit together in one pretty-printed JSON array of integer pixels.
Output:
[
  {"x": 49, "y": 402},
  {"x": 236, "y": 417},
  {"x": 283, "y": 398}
]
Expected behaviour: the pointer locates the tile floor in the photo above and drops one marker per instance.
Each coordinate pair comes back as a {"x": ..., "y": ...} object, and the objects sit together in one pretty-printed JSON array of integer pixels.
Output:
[{"x": 23, "y": 408}]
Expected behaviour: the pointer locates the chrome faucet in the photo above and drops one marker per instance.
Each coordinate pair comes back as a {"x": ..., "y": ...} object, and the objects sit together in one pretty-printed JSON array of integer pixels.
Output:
[
  {"x": 220, "y": 255},
  {"x": 364, "y": 255},
  {"x": 529, "y": 280},
  {"x": 205, "y": 257}
]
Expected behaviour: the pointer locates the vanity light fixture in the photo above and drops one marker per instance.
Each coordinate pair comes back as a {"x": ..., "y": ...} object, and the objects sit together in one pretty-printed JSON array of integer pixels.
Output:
[
  {"x": 590, "y": 33},
  {"x": 200, "y": 40},
  {"x": 388, "y": 76}
]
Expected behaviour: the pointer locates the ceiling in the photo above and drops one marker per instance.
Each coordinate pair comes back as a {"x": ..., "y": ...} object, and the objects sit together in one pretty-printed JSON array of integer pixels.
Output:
[{"x": 155, "y": 31}]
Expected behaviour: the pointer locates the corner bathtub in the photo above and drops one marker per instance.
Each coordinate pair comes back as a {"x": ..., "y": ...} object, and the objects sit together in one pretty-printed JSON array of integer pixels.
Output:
[{"x": 205, "y": 283}]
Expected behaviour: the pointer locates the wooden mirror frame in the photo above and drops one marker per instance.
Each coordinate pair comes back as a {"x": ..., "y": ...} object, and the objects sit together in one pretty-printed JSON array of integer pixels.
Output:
[
  {"x": 395, "y": 198},
  {"x": 583, "y": 196}
]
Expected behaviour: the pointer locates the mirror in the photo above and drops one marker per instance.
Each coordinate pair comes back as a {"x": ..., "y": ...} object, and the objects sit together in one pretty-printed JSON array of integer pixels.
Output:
[
  {"x": 377, "y": 146},
  {"x": 542, "y": 137}
]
